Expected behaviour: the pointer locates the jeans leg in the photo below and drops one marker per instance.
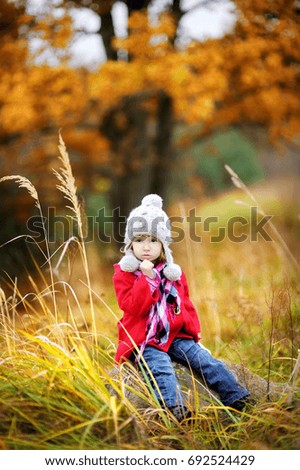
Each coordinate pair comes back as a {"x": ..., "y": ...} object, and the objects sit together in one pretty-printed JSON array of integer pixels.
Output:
[
  {"x": 213, "y": 371},
  {"x": 162, "y": 370}
]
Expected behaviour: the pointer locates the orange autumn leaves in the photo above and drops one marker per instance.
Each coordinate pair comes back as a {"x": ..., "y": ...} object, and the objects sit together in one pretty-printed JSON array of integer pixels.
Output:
[
  {"x": 192, "y": 77},
  {"x": 266, "y": 54},
  {"x": 249, "y": 76},
  {"x": 34, "y": 96}
]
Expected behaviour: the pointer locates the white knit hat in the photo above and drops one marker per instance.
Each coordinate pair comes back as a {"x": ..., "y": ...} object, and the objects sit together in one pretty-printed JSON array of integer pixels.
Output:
[{"x": 149, "y": 218}]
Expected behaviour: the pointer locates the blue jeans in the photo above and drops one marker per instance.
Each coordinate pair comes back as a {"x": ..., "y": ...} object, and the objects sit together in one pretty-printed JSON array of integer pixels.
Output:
[{"x": 187, "y": 352}]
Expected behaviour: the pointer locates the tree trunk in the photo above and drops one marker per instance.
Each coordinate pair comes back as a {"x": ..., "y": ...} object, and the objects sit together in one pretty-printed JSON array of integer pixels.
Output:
[
  {"x": 177, "y": 14},
  {"x": 107, "y": 34},
  {"x": 139, "y": 130},
  {"x": 107, "y": 28}
]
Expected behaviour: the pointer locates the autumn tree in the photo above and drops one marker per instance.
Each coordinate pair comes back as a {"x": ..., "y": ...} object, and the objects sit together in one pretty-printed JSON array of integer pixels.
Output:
[
  {"x": 221, "y": 81},
  {"x": 214, "y": 83},
  {"x": 248, "y": 78},
  {"x": 262, "y": 62},
  {"x": 29, "y": 97},
  {"x": 118, "y": 120}
]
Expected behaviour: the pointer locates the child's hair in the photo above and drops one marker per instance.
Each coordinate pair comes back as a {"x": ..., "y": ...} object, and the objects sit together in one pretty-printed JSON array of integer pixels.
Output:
[{"x": 162, "y": 256}]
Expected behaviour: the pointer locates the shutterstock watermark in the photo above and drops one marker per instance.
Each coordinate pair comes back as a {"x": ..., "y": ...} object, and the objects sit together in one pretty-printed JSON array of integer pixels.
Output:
[{"x": 108, "y": 228}]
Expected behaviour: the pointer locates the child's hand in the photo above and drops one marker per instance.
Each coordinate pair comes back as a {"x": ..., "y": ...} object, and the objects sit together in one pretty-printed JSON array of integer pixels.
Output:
[{"x": 146, "y": 268}]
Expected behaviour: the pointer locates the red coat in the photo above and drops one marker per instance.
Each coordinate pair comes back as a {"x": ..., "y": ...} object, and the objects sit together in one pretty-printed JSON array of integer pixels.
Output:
[{"x": 135, "y": 299}]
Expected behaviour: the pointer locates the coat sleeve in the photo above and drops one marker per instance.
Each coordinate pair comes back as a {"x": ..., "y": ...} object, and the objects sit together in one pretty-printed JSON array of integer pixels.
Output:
[
  {"x": 133, "y": 294},
  {"x": 191, "y": 323}
]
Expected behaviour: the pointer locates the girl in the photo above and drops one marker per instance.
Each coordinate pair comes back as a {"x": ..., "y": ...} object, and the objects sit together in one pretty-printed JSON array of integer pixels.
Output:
[{"x": 160, "y": 322}]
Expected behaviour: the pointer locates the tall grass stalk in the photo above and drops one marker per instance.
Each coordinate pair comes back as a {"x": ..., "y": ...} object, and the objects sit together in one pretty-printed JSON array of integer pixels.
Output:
[
  {"x": 57, "y": 388},
  {"x": 189, "y": 251},
  {"x": 68, "y": 187},
  {"x": 236, "y": 180},
  {"x": 145, "y": 368},
  {"x": 26, "y": 184},
  {"x": 293, "y": 379},
  {"x": 4, "y": 320}
]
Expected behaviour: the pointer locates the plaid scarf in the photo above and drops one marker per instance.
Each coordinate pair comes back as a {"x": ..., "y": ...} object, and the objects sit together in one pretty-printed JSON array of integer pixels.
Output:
[{"x": 158, "y": 322}]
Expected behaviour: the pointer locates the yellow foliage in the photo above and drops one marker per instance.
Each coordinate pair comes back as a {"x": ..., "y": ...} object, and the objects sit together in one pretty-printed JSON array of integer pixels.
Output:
[
  {"x": 147, "y": 41},
  {"x": 102, "y": 83},
  {"x": 88, "y": 142},
  {"x": 57, "y": 32},
  {"x": 250, "y": 75}
]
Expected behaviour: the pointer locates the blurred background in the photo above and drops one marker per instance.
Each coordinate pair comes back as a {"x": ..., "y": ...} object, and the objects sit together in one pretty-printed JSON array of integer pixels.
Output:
[{"x": 149, "y": 96}]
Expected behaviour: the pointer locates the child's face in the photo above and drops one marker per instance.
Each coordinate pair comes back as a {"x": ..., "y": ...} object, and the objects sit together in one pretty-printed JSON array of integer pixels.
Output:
[{"x": 146, "y": 247}]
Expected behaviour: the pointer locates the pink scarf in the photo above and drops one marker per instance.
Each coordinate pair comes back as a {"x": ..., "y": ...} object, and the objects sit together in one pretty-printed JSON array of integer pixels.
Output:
[{"x": 158, "y": 324}]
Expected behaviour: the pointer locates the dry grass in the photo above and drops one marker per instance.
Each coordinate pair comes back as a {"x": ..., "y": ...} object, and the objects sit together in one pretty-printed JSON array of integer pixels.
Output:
[{"x": 58, "y": 343}]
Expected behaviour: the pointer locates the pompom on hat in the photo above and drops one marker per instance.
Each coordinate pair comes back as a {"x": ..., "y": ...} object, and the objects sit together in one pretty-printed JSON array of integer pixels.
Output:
[{"x": 149, "y": 219}]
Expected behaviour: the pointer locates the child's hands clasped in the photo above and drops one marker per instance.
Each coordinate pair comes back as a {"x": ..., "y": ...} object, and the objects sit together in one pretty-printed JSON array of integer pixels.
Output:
[{"x": 146, "y": 268}]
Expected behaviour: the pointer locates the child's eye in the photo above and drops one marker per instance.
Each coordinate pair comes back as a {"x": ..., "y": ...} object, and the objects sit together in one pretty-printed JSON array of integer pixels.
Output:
[{"x": 153, "y": 240}]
